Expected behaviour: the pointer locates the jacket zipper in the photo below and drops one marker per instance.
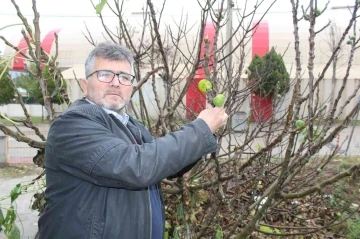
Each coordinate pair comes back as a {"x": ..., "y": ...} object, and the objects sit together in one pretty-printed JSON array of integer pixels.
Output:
[
  {"x": 149, "y": 198},
  {"x": 131, "y": 136},
  {"x": 128, "y": 132}
]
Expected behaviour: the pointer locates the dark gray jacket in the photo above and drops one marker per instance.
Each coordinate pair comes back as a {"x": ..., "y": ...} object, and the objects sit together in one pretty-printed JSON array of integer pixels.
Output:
[{"x": 97, "y": 177}]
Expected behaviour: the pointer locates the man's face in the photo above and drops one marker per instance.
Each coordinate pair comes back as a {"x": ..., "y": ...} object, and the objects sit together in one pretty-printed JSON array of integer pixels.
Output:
[{"x": 113, "y": 96}]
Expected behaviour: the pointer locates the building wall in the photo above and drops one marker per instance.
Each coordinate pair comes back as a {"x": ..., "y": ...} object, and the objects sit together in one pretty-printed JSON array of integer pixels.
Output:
[
  {"x": 34, "y": 110},
  {"x": 149, "y": 95},
  {"x": 74, "y": 47}
]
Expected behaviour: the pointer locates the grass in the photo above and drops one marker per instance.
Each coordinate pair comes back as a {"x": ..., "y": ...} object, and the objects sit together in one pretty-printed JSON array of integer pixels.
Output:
[
  {"x": 35, "y": 120},
  {"x": 353, "y": 228},
  {"x": 348, "y": 160}
]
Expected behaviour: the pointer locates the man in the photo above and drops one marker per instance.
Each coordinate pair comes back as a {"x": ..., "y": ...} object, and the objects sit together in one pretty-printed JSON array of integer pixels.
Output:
[{"x": 103, "y": 168}]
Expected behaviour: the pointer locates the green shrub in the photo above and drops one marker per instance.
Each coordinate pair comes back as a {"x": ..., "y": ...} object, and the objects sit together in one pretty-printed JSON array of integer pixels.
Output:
[
  {"x": 345, "y": 165},
  {"x": 32, "y": 85},
  {"x": 270, "y": 74},
  {"x": 7, "y": 91}
]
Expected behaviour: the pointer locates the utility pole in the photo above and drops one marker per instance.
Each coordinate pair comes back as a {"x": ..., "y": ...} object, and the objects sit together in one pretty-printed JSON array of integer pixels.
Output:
[{"x": 229, "y": 46}]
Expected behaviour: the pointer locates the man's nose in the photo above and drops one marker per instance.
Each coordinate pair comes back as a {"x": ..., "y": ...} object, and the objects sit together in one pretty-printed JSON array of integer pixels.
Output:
[{"x": 115, "y": 81}]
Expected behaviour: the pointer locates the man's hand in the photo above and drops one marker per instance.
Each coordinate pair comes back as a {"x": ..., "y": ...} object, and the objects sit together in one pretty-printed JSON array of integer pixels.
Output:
[{"x": 215, "y": 117}]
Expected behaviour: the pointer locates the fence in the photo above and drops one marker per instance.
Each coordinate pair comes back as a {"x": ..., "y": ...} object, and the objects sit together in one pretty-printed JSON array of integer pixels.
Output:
[
  {"x": 13, "y": 152},
  {"x": 15, "y": 110}
]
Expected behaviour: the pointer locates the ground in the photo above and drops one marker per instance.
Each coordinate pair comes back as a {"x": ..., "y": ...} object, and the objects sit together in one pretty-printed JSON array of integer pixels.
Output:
[
  {"x": 337, "y": 194},
  {"x": 324, "y": 206},
  {"x": 19, "y": 171}
]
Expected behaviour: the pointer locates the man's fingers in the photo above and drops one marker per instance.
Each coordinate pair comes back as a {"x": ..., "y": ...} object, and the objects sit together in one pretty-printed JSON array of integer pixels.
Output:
[
  {"x": 220, "y": 109},
  {"x": 208, "y": 106}
]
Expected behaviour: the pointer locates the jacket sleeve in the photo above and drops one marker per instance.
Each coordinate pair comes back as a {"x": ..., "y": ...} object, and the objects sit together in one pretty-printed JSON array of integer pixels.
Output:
[
  {"x": 87, "y": 149},
  {"x": 182, "y": 171}
]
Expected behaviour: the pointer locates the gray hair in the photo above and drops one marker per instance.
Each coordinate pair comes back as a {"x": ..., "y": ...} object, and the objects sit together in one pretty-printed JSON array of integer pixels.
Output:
[{"x": 109, "y": 51}]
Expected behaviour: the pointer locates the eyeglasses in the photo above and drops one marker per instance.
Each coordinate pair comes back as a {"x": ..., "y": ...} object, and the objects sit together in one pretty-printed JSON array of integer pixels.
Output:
[{"x": 108, "y": 76}]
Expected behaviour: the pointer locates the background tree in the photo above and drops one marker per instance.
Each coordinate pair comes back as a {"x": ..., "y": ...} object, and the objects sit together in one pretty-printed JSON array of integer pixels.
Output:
[
  {"x": 30, "y": 83},
  {"x": 7, "y": 92},
  {"x": 270, "y": 74}
]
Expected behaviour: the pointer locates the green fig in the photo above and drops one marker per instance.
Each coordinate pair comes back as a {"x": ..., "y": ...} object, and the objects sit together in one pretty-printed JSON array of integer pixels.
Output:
[
  {"x": 349, "y": 42},
  {"x": 204, "y": 85},
  {"x": 318, "y": 12},
  {"x": 299, "y": 123},
  {"x": 219, "y": 100}
]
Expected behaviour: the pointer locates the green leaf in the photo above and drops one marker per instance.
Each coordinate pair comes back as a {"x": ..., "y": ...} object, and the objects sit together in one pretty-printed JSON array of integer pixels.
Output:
[
  {"x": 167, "y": 225},
  {"x": 14, "y": 232},
  {"x": 100, "y": 6},
  {"x": 10, "y": 216},
  {"x": 2, "y": 219},
  {"x": 180, "y": 212},
  {"x": 219, "y": 233},
  {"x": 15, "y": 192},
  {"x": 176, "y": 233},
  {"x": 9, "y": 219},
  {"x": 267, "y": 229},
  {"x": 7, "y": 91},
  {"x": 3, "y": 116}
]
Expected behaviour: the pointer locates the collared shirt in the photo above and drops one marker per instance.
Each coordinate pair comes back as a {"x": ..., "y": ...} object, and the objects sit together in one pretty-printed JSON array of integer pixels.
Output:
[{"x": 123, "y": 117}]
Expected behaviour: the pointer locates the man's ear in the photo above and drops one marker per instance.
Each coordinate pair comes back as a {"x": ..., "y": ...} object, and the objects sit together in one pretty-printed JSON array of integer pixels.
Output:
[{"x": 84, "y": 83}]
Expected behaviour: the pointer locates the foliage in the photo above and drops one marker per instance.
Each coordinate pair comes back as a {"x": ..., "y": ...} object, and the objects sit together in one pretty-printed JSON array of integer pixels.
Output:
[
  {"x": 31, "y": 84},
  {"x": 353, "y": 228},
  {"x": 8, "y": 222},
  {"x": 7, "y": 91},
  {"x": 269, "y": 73},
  {"x": 100, "y": 6}
]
